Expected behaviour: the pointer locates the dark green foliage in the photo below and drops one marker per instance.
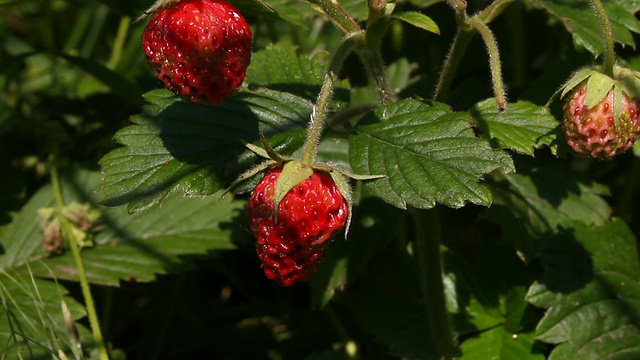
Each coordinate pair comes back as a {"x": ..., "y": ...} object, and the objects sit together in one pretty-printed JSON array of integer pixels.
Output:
[{"x": 539, "y": 247}]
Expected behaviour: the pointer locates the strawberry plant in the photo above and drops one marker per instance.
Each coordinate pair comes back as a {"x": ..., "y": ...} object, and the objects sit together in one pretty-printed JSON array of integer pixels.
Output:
[{"x": 320, "y": 179}]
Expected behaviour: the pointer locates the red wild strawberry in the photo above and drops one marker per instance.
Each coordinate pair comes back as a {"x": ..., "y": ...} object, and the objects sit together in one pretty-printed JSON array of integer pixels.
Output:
[
  {"x": 200, "y": 49},
  {"x": 596, "y": 131},
  {"x": 291, "y": 245}
]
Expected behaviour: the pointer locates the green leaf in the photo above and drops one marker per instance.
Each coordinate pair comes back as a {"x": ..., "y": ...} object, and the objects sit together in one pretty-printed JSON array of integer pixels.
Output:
[
  {"x": 128, "y": 247},
  {"x": 497, "y": 343},
  {"x": 522, "y": 128},
  {"x": 428, "y": 153},
  {"x": 418, "y": 20},
  {"x": 32, "y": 319},
  {"x": 541, "y": 196},
  {"x": 181, "y": 145},
  {"x": 579, "y": 18},
  {"x": 592, "y": 293},
  {"x": 280, "y": 67}
]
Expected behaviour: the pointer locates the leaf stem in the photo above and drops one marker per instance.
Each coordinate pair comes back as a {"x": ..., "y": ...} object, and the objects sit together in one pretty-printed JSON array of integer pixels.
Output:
[
  {"x": 372, "y": 59},
  {"x": 338, "y": 16},
  {"x": 607, "y": 37},
  {"x": 494, "y": 61},
  {"x": 460, "y": 42},
  {"x": 319, "y": 112},
  {"x": 428, "y": 240},
  {"x": 75, "y": 250}
]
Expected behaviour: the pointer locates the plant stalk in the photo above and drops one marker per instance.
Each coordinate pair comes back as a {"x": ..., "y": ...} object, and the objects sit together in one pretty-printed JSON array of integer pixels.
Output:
[
  {"x": 494, "y": 62},
  {"x": 319, "y": 112},
  {"x": 427, "y": 250},
  {"x": 460, "y": 42},
  {"x": 339, "y": 16},
  {"x": 372, "y": 60},
  {"x": 607, "y": 37},
  {"x": 75, "y": 250}
]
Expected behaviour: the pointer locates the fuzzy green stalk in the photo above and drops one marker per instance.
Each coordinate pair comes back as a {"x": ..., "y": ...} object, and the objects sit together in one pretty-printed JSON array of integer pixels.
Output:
[
  {"x": 82, "y": 275},
  {"x": 460, "y": 8},
  {"x": 427, "y": 252},
  {"x": 338, "y": 16},
  {"x": 607, "y": 37},
  {"x": 372, "y": 60},
  {"x": 494, "y": 62},
  {"x": 118, "y": 45},
  {"x": 460, "y": 42},
  {"x": 493, "y": 10},
  {"x": 319, "y": 112}
]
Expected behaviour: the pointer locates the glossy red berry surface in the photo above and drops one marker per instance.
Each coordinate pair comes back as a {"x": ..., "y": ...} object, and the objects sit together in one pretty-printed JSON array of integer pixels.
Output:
[
  {"x": 309, "y": 215},
  {"x": 200, "y": 49},
  {"x": 596, "y": 132}
]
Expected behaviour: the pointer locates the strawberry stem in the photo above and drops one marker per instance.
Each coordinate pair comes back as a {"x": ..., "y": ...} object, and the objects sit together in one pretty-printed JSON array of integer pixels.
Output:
[
  {"x": 607, "y": 37},
  {"x": 319, "y": 112},
  {"x": 494, "y": 61},
  {"x": 460, "y": 42},
  {"x": 467, "y": 27},
  {"x": 427, "y": 251},
  {"x": 372, "y": 60},
  {"x": 75, "y": 251},
  {"x": 338, "y": 15}
]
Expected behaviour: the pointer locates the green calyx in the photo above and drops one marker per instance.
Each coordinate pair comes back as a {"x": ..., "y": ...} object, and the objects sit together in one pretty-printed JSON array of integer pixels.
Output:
[
  {"x": 624, "y": 81},
  {"x": 295, "y": 172}
]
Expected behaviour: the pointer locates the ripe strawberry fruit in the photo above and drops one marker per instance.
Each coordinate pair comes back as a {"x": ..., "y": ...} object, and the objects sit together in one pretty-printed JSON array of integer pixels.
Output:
[
  {"x": 596, "y": 131},
  {"x": 292, "y": 242},
  {"x": 200, "y": 49}
]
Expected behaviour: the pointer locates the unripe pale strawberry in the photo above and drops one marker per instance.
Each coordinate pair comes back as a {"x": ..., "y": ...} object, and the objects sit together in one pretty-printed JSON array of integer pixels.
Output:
[
  {"x": 291, "y": 243},
  {"x": 597, "y": 131},
  {"x": 200, "y": 49}
]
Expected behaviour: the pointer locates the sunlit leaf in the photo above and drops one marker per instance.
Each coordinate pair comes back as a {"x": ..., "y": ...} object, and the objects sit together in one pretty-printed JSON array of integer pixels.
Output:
[{"x": 427, "y": 153}]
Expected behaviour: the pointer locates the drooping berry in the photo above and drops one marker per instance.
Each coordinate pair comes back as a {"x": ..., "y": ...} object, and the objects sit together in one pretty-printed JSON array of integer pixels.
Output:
[
  {"x": 291, "y": 244},
  {"x": 597, "y": 131},
  {"x": 200, "y": 49}
]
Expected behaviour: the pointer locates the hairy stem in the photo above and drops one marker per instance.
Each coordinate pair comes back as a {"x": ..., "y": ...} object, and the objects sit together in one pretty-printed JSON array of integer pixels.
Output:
[
  {"x": 607, "y": 37},
  {"x": 338, "y": 16},
  {"x": 75, "y": 251},
  {"x": 372, "y": 60},
  {"x": 428, "y": 240},
  {"x": 451, "y": 63},
  {"x": 319, "y": 113},
  {"x": 494, "y": 62},
  {"x": 493, "y": 10}
]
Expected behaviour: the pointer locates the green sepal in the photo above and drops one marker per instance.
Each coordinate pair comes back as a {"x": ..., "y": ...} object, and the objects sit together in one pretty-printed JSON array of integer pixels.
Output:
[
  {"x": 348, "y": 173},
  {"x": 273, "y": 159},
  {"x": 630, "y": 80},
  {"x": 153, "y": 9},
  {"x": 598, "y": 86},
  {"x": 249, "y": 174},
  {"x": 342, "y": 183},
  {"x": 271, "y": 153},
  {"x": 576, "y": 79},
  {"x": 293, "y": 173}
]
